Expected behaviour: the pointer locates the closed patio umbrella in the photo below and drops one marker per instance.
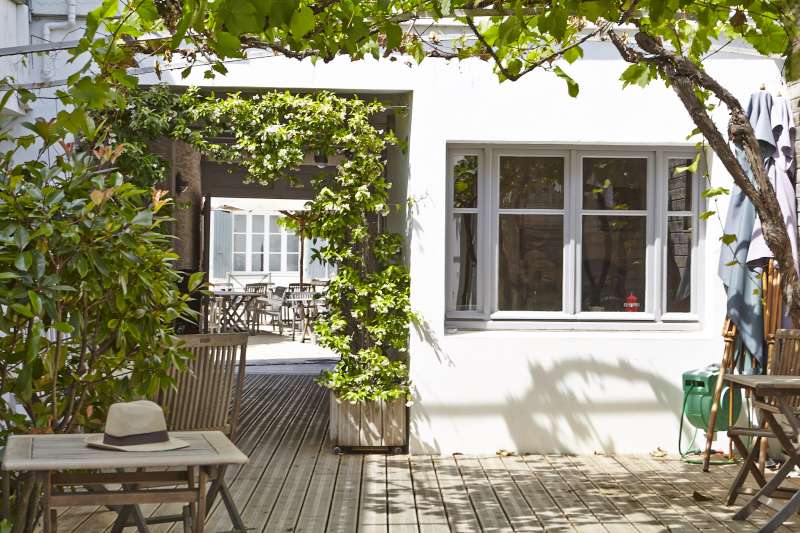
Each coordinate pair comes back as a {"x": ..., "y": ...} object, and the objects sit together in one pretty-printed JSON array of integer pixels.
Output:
[{"x": 741, "y": 263}]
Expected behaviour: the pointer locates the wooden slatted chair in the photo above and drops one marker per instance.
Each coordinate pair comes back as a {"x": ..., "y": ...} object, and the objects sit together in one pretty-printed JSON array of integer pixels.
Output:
[
  {"x": 207, "y": 397},
  {"x": 783, "y": 359}
]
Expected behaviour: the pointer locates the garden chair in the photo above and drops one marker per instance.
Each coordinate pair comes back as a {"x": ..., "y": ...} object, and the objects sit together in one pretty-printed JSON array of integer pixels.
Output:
[
  {"x": 207, "y": 397},
  {"x": 783, "y": 359},
  {"x": 270, "y": 307},
  {"x": 258, "y": 288}
]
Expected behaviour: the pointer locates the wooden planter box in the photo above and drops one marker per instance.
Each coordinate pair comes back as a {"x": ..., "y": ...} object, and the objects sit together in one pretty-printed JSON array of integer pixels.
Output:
[{"x": 374, "y": 424}]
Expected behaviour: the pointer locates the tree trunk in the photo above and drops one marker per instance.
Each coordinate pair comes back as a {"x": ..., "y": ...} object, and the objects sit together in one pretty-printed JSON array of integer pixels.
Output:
[{"x": 685, "y": 78}]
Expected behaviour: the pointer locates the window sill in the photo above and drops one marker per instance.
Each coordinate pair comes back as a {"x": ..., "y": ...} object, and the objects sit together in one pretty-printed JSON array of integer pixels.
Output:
[{"x": 455, "y": 325}]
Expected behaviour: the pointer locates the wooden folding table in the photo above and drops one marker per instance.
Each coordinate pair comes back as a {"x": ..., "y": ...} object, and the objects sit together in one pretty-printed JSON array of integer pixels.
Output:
[
  {"x": 63, "y": 460},
  {"x": 770, "y": 393}
]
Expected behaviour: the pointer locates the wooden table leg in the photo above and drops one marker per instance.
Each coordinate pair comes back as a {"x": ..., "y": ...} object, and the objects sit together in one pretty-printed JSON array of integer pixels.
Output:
[
  {"x": 200, "y": 517},
  {"x": 766, "y": 491},
  {"x": 48, "y": 524}
]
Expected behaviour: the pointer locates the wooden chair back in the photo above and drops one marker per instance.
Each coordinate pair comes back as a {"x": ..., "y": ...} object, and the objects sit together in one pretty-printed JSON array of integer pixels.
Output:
[
  {"x": 208, "y": 393},
  {"x": 258, "y": 288},
  {"x": 783, "y": 356}
]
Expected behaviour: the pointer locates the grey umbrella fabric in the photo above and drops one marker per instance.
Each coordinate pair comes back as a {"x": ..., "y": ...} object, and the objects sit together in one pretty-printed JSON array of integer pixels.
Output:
[{"x": 740, "y": 264}]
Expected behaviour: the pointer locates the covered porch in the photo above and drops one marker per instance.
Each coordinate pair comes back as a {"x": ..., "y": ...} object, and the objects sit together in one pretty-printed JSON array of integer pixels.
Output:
[{"x": 295, "y": 483}]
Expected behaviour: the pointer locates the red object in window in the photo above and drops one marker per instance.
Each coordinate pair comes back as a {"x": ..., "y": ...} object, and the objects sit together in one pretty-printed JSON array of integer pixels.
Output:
[{"x": 631, "y": 304}]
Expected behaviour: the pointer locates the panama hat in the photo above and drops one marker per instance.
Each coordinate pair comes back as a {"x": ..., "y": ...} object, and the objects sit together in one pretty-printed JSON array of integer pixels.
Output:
[{"x": 135, "y": 427}]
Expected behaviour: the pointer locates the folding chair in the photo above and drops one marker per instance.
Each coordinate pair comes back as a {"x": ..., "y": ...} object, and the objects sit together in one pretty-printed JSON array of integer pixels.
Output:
[
  {"x": 783, "y": 359},
  {"x": 207, "y": 397}
]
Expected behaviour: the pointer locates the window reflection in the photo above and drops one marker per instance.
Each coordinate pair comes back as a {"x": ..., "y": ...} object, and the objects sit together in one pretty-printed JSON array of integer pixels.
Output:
[
  {"x": 613, "y": 262},
  {"x": 465, "y": 182},
  {"x": 530, "y": 270},
  {"x": 679, "y": 185},
  {"x": 614, "y": 183},
  {"x": 531, "y": 182},
  {"x": 465, "y": 261}
]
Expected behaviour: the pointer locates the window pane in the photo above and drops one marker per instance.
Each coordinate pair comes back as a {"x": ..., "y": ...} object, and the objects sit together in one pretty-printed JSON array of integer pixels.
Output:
[
  {"x": 531, "y": 263},
  {"x": 291, "y": 243},
  {"x": 240, "y": 223},
  {"x": 258, "y": 223},
  {"x": 274, "y": 243},
  {"x": 464, "y": 284},
  {"x": 273, "y": 225},
  {"x": 679, "y": 264},
  {"x": 239, "y": 242},
  {"x": 293, "y": 262},
  {"x": 465, "y": 182},
  {"x": 532, "y": 182},
  {"x": 613, "y": 262},
  {"x": 257, "y": 262},
  {"x": 275, "y": 262},
  {"x": 258, "y": 243},
  {"x": 239, "y": 262},
  {"x": 614, "y": 183},
  {"x": 680, "y": 186}
]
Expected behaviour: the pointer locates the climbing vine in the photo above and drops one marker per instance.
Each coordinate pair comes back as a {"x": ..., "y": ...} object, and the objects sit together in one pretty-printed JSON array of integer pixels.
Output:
[{"x": 368, "y": 301}]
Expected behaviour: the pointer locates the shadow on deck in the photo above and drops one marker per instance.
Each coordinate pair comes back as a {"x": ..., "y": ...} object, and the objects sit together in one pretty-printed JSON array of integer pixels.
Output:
[{"x": 294, "y": 483}]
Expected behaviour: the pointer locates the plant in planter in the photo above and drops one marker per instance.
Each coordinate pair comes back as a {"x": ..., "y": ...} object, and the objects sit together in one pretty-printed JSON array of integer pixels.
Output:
[{"x": 368, "y": 301}]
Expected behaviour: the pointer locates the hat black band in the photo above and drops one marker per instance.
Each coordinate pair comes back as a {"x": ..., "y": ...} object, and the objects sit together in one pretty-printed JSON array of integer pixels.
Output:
[{"x": 139, "y": 438}]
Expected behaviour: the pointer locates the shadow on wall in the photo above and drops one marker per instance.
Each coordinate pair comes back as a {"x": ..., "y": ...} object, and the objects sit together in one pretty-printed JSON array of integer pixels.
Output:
[{"x": 553, "y": 417}]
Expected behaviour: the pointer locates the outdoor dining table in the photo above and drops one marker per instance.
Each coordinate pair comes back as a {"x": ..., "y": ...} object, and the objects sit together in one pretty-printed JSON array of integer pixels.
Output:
[
  {"x": 778, "y": 390},
  {"x": 65, "y": 460},
  {"x": 232, "y": 309}
]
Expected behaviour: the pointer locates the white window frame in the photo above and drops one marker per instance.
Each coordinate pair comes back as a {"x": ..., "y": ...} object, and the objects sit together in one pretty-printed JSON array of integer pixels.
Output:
[
  {"x": 488, "y": 213},
  {"x": 284, "y": 233}
]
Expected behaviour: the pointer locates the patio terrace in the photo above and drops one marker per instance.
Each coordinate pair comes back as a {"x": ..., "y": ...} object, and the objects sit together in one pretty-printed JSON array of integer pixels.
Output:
[{"x": 294, "y": 483}]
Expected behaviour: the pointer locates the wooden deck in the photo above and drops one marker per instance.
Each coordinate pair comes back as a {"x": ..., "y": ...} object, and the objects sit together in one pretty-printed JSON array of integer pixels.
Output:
[{"x": 294, "y": 483}]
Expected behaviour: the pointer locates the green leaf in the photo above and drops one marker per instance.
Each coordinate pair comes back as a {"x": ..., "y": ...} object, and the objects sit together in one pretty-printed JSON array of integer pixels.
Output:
[
  {"x": 705, "y": 215},
  {"x": 195, "y": 280},
  {"x": 573, "y": 54},
  {"x": 715, "y": 191},
  {"x": 728, "y": 238},
  {"x": 36, "y": 302},
  {"x": 572, "y": 86},
  {"x": 637, "y": 74},
  {"x": 302, "y": 22},
  {"x": 227, "y": 44},
  {"x": 143, "y": 218}
]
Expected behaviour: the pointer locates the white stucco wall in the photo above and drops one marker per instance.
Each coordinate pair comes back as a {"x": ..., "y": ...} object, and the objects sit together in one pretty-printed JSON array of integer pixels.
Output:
[
  {"x": 578, "y": 391},
  {"x": 547, "y": 391}
]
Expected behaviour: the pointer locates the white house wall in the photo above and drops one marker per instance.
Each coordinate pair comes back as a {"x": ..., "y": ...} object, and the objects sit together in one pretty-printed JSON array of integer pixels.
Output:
[{"x": 529, "y": 390}]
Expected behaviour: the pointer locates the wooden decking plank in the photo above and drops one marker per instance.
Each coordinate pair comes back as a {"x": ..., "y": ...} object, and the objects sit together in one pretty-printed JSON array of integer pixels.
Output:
[
  {"x": 582, "y": 486},
  {"x": 678, "y": 490},
  {"x": 617, "y": 499},
  {"x": 247, "y": 479},
  {"x": 292, "y": 494},
  {"x": 460, "y": 513},
  {"x": 256, "y": 510},
  {"x": 547, "y": 511},
  {"x": 576, "y": 511},
  {"x": 400, "y": 496},
  {"x": 431, "y": 514},
  {"x": 373, "y": 507},
  {"x": 346, "y": 495},
  {"x": 516, "y": 507},
  {"x": 319, "y": 498},
  {"x": 488, "y": 510},
  {"x": 648, "y": 499},
  {"x": 708, "y": 486}
]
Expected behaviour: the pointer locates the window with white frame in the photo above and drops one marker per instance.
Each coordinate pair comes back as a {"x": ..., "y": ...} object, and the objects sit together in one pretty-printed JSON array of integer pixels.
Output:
[
  {"x": 571, "y": 234},
  {"x": 260, "y": 244}
]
